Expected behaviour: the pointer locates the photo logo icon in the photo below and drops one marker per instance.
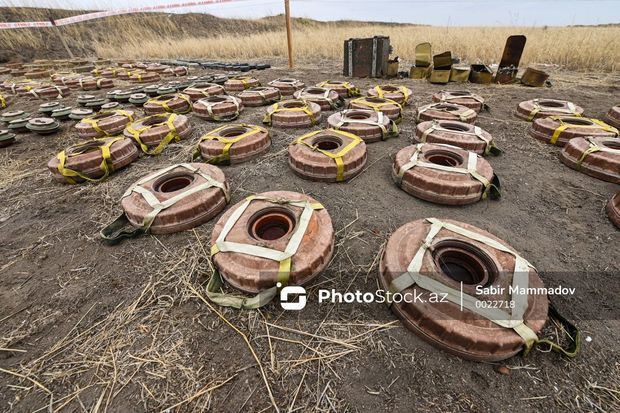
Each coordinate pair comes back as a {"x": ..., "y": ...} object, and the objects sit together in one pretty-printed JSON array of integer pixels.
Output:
[{"x": 297, "y": 290}]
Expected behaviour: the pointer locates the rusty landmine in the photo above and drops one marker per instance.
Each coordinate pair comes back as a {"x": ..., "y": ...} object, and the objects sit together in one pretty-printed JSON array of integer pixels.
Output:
[
  {"x": 369, "y": 125},
  {"x": 460, "y": 97},
  {"x": 446, "y": 111},
  {"x": 221, "y": 108},
  {"x": 191, "y": 211},
  {"x": 438, "y": 173},
  {"x": 613, "y": 117},
  {"x": 260, "y": 96},
  {"x": 293, "y": 113},
  {"x": 271, "y": 224},
  {"x": 327, "y": 99},
  {"x": 558, "y": 130},
  {"x": 49, "y": 92},
  {"x": 234, "y": 144},
  {"x": 390, "y": 108},
  {"x": 171, "y": 103},
  {"x": 85, "y": 158},
  {"x": 150, "y": 131},
  {"x": 343, "y": 88},
  {"x": 597, "y": 157},
  {"x": 458, "y": 261},
  {"x": 143, "y": 77},
  {"x": 613, "y": 209},
  {"x": 203, "y": 91},
  {"x": 397, "y": 93},
  {"x": 105, "y": 123},
  {"x": 287, "y": 86},
  {"x": 239, "y": 83},
  {"x": 541, "y": 108},
  {"x": 327, "y": 156},
  {"x": 91, "y": 83},
  {"x": 450, "y": 132}
]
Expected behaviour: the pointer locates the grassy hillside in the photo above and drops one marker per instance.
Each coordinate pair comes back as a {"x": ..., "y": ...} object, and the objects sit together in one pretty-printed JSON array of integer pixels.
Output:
[{"x": 164, "y": 35}]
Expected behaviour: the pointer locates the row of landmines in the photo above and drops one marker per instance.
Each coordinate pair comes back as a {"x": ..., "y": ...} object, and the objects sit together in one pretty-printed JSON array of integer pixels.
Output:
[{"x": 294, "y": 231}]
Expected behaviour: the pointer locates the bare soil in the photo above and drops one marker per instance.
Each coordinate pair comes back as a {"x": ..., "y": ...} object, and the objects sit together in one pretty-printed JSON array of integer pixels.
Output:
[{"x": 89, "y": 327}]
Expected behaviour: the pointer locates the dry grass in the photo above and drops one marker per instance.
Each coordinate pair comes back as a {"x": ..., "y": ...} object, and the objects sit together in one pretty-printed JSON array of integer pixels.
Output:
[
  {"x": 573, "y": 48},
  {"x": 204, "y": 36}
]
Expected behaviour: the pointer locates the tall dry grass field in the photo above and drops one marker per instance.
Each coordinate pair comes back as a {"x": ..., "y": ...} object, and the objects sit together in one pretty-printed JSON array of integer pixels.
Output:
[
  {"x": 202, "y": 36},
  {"x": 573, "y": 48}
]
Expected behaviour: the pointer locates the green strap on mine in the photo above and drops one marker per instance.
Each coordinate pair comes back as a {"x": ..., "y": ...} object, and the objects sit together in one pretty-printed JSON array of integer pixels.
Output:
[
  {"x": 120, "y": 229},
  {"x": 240, "y": 302},
  {"x": 569, "y": 328},
  {"x": 520, "y": 279}
]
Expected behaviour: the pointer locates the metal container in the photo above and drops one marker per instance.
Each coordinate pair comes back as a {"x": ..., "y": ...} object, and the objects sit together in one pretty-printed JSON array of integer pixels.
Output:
[
  {"x": 480, "y": 74},
  {"x": 534, "y": 77},
  {"x": 366, "y": 57}
]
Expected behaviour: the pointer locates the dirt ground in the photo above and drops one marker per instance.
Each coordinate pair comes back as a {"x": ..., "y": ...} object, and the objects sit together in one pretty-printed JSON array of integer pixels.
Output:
[{"x": 89, "y": 327}]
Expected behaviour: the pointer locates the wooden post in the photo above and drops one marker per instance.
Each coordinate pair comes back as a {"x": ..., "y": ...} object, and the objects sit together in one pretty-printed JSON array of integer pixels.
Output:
[
  {"x": 62, "y": 38},
  {"x": 289, "y": 35}
]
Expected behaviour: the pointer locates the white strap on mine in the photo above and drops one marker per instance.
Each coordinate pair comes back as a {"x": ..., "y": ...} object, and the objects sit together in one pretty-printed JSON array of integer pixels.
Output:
[
  {"x": 472, "y": 163},
  {"x": 446, "y": 95},
  {"x": 462, "y": 116},
  {"x": 600, "y": 148},
  {"x": 570, "y": 108},
  {"x": 263, "y": 252},
  {"x": 520, "y": 280},
  {"x": 159, "y": 206},
  {"x": 437, "y": 127},
  {"x": 379, "y": 122},
  {"x": 327, "y": 98},
  {"x": 210, "y": 105}
]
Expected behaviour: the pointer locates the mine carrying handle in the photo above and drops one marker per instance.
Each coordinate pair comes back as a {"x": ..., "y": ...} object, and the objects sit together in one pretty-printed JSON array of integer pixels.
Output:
[
  {"x": 119, "y": 229},
  {"x": 572, "y": 332},
  {"x": 240, "y": 302}
]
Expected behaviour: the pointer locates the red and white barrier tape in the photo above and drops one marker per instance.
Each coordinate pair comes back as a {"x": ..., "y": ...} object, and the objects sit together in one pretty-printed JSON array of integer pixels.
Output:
[{"x": 107, "y": 13}]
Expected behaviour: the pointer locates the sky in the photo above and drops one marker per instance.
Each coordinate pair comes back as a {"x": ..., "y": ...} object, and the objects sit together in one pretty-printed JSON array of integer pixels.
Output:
[{"x": 433, "y": 12}]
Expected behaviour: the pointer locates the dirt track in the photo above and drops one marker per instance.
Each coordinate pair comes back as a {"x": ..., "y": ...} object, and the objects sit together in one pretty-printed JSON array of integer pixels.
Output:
[{"x": 120, "y": 328}]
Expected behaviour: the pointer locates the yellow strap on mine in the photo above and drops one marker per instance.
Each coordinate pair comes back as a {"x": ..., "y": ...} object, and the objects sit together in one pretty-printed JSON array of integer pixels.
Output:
[
  {"x": 172, "y": 134},
  {"x": 275, "y": 108},
  {"x": 402, "y": 89},
  {"x": 353, "y": 91},
  {"x": 106, "y": 162},
  {"x": 594, "y": 147},
  {"x": 2, "y": 102},
  {"x": 337, "y": 157},
  {"x": 377, "y": 106},
  {"x": 563, "y": 126},
  {"x": 95, "y": 122},
  {"x": 164, "y": 103},
  {"x": 228, "y": 142}
]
